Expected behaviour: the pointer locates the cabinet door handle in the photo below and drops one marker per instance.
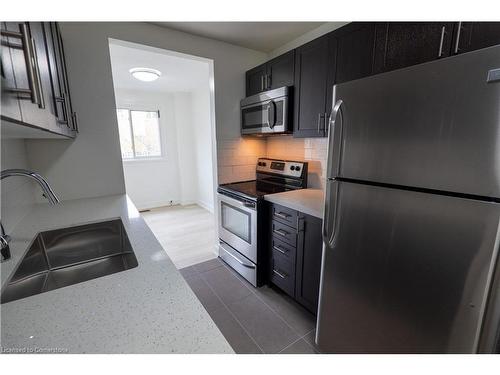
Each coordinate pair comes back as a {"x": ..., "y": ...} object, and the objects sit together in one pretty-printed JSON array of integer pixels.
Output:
[
  {"x": 268, "y": 81},
  {"x": 66, "y": 109},
  {"x": 320, "y": 116},
  {"x": 280, "y": 274},
  {"x": 443, "y": 31},
  {"x": 60, "y": 99},
  {"x": 261, "y": 83},
  {"x": 26, "y": 46},
  {"x": 457, "y": 41},
  {"x": 75, "y": 122},
  {"x": 280, "y": 250},
  {"x": 38, "y": 77},
  {"x": 281, "y": 232},
  {"x": 282, "y": 215}
]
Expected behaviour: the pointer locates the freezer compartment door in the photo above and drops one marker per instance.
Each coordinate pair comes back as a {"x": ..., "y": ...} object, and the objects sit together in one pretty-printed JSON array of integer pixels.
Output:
[
  {"x": 434, "y": 125},
  {"x": 404, "y": 271}
]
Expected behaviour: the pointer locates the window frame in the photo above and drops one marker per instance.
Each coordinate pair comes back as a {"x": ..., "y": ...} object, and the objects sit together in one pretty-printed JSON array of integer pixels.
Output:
[{"x": 131, "y": 128}]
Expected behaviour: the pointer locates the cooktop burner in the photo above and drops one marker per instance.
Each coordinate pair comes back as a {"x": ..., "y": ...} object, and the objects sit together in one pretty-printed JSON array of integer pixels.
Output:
[
  {"x": 273, "y": 176},
  {"x": 252, "y": 189}
]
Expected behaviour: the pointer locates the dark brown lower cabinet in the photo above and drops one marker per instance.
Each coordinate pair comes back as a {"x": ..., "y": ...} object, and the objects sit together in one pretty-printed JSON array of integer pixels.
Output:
[
  {"x": 295, "y": 252},
  {"x": 308, "y": 262}
]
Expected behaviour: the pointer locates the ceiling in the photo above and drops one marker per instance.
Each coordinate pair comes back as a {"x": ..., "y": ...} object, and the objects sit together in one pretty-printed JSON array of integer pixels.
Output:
[
  {"x": 179, "y": 74},
  {"x": 260, "y": 36}
]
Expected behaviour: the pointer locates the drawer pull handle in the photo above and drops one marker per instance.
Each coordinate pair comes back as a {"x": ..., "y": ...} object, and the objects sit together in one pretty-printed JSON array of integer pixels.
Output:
[
  {"x": 282, "y": 275},
  {"x": 236, "y": 259},
  {"x": 279, "y": 249},
  {"x": 282, "y": 215},
  {"x": 281, "y": 232}
]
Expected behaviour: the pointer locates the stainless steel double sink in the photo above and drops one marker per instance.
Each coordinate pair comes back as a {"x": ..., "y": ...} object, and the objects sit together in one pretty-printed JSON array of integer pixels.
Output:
[{"x": 67, "y": 256}]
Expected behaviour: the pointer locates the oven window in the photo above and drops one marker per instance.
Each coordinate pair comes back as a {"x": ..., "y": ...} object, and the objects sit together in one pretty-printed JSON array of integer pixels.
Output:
[
  {"x": 254, "y": 117},
  {"x": 236, "y": 221}
]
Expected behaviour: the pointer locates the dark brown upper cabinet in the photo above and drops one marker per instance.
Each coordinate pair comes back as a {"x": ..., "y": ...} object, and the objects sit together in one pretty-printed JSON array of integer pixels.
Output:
[
  {"x": 10, "y": 102},
  {"x": 65, "y": 116},
  {"x": 280, "y": 71},
  {"x": 402, "y": 44},
  {"x": 255, "y": 80},
  {"x": 358, "y": 50},
  {"x": 314, "y": 73},
  {"x": 470, "y": 36},
  {"x": 356, "y": 44},
  {"x": 32, "y": 68},
  {"x": 275, "y": 73}
]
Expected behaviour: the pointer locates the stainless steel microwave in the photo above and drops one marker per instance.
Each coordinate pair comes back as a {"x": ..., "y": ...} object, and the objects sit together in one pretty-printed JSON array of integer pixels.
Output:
[{"x": 266, "y": 113}]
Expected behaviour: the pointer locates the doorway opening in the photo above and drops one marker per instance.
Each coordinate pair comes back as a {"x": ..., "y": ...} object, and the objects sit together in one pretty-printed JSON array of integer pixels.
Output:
[{"x": 166, "y": 120}]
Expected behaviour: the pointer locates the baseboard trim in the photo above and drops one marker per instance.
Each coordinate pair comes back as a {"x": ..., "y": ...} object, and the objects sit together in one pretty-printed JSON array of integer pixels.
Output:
[
  {"x": 206, "y": 206},
  {"x": 154, "y": 204}
]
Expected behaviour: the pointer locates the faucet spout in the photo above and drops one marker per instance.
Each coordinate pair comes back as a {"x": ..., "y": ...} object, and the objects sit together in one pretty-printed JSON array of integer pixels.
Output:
[{"x": 47, "y": 190}]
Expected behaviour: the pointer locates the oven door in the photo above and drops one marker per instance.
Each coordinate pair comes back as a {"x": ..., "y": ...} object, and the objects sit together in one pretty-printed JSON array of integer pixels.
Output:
[
  {"x": 238, "y": 225},
  {"x": 270, "y": 116}
]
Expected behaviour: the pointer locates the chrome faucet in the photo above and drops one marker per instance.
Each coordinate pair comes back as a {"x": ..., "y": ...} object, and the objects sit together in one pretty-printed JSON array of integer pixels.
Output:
[{"x": 47, "y": 193}]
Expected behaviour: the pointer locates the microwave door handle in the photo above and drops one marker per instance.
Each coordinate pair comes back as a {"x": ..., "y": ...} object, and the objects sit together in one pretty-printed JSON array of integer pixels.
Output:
[{"x": 271, "y": 114}]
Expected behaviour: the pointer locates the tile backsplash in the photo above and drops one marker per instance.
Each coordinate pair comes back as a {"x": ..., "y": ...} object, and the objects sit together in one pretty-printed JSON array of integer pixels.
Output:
[
  {"x": 312, "y": 150},
  {"x": 237, "y": 158}
]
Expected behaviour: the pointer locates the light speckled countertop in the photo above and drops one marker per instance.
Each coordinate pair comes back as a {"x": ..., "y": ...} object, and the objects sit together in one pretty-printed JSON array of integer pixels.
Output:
[
  {"x": 308, "y": 201},
  {"x": 147, "y": 309}
]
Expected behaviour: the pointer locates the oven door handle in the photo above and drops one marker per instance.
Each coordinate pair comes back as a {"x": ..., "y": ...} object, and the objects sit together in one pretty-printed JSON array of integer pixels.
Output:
[{"x": 233, "y": 201}]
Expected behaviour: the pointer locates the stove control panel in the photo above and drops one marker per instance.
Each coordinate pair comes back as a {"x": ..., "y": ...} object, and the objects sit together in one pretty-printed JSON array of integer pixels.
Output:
[{"x": 282, "y": 167}]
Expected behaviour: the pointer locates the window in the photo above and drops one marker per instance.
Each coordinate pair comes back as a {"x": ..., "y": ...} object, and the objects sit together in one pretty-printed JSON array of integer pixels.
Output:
[{"x": 139, "y": 133}]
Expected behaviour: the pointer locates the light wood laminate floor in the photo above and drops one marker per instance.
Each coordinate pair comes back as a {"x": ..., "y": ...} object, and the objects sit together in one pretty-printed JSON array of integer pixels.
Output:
[{"x": 187, "y": 233}]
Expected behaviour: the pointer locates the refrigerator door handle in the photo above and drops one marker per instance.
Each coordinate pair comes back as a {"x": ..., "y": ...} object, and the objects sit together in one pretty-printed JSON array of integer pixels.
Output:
[
  {"x": 330, "y": 217},
  {"x": 333, "y": 157}
]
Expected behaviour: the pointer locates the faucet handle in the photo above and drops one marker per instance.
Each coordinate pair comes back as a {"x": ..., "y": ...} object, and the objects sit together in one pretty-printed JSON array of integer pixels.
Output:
[{"x": 4, "y": 245}]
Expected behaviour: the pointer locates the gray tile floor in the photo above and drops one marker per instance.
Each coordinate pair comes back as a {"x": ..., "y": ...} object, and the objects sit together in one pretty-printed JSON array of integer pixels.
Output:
[{"x": 253, "y": 320}]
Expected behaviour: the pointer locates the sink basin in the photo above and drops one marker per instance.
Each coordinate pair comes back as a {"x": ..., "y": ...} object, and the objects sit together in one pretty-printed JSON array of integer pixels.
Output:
[{"x": 67, "y": 256}]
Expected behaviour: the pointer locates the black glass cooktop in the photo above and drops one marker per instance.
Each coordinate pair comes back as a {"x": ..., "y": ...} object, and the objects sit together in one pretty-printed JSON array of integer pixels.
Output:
[{"x": 252, "y": 189}]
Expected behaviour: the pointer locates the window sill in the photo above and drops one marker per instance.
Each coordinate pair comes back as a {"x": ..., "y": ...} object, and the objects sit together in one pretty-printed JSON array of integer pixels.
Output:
[{"x": 145, "y": 160}]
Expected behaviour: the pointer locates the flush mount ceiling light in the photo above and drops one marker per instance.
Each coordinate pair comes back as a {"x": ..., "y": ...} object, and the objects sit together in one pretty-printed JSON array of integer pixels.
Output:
[{"x": 145, "y": 74}]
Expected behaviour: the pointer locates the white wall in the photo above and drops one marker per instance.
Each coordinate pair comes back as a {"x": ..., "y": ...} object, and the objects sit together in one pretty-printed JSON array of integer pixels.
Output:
[
  {"x": 200, "y": 100},
  {"x": 17, "y": 193},
  {"x": 186, "y": 150},
  {"x": 91, "y": 165},
  {"x": 307, "y": 37},
  {"x": 153, "y": 183},
  {"x": 194, "y": 140}
]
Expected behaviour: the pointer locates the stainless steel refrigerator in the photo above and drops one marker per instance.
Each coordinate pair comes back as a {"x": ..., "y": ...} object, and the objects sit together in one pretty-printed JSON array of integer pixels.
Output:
[{"x": 411, "y": 226}]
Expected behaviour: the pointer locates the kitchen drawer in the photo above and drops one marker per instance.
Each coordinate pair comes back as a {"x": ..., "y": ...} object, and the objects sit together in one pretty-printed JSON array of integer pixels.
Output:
[
  {"x": 283, "y": 274},
  {"x": 284, "y": 215},
  {"x": 238, "y": 262},
  {"x": 283, "y": 249},
  {"x": 284, "y": 233}
]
